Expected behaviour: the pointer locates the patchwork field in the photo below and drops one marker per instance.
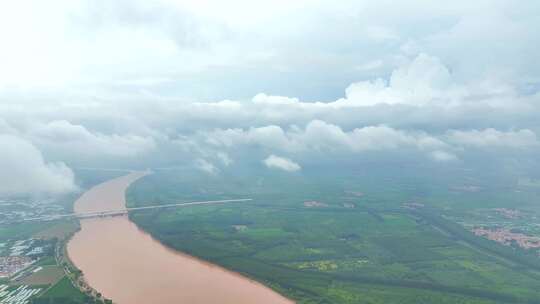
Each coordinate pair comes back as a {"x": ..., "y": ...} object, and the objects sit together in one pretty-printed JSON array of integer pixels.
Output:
[
  {"x": 398, "y": 242},
  {"x": 60, "y": 230},
  {"x": 46, "y": 275}
]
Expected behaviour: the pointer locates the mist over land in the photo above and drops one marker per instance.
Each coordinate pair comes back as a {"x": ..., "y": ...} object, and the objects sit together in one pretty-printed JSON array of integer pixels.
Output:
[
  {"x": 134, "y": 84},
  {"x": 391, "y": 150}
]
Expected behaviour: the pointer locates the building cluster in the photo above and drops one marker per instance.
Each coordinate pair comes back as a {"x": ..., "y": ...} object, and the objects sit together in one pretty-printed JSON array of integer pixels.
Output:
[
  {"x": 507, "y": 237},
  {"x": 29, "y": 248},
  {"x": 19, "y": 295},
  {"x": 512, "y": 214},
  {"x": 18, "y": 255},
  {"x": 17, "y": 210},
  {"x": 314, "y": 204},
  {"x": 11, "y": 265}
]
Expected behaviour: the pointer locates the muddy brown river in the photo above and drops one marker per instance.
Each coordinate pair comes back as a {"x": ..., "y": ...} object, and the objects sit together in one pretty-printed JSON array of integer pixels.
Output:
[{"x": 127, "y": 265}]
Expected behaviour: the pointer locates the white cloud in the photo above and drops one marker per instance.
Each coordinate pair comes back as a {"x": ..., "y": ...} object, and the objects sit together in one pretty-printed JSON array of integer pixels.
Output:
[
  {"x": 65, "y": 137},
  {"x": 87, "y": 79},
  {"x": 263, "y": 99},
  {"x": 491, "y": 138},
  {"x": 443, "y": 156},
  {"x": 281, "y": 163},
  {"x": 266, "y": 136},
  {"x": 325, "y": 140},
  {"x": 379, "y": 33},
  {"x": 100, "y": 43},
  {"x": 224, "y": 158},
  {"x": 206, "y": 166},
  {"x": 422, "y": 81},
  {"x": 25, "y": 171},
  {"x": 371, "y": 65},
  {"x": 322, "y": 137},
  {"x": 5, "y": 128}
]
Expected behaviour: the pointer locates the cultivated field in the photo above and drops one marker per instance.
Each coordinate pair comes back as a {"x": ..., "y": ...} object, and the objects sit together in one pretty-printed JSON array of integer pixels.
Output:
[
  {"x": 401, "y": 243},
  {"x": 46, "y": 275}
]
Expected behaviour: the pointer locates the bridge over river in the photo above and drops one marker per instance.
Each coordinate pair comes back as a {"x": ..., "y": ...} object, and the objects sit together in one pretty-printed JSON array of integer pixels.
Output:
[
  {"x": 127, "y": 265},
  {"x": 117, "y": 212}
]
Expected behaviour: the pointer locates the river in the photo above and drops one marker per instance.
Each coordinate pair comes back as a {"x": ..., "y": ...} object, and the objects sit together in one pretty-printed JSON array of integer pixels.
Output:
[{"x": 127, "y": 265}]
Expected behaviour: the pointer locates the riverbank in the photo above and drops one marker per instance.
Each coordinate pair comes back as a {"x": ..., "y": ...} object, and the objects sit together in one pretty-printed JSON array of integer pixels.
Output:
[{"x": 127, "y": 265}]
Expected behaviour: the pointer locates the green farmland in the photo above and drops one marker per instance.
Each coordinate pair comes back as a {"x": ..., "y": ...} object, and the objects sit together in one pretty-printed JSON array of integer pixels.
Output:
[{"x": 357, "y": 244}]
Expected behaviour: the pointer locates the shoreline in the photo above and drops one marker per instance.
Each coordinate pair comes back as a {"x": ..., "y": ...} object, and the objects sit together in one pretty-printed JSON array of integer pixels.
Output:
[
  {"x": 212, "y": 264},
  {"x": 258, "y": 286},
  {"x": 71, "y": 271}
]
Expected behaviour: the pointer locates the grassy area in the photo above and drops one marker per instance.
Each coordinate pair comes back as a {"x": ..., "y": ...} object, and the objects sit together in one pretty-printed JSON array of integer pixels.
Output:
[
  {"x": 63, "y": 292},
  {"x": 48, "y": 275},
  {"x": 19, "y": 231},
  {"x": 61, "y": 230},
  {"x": 46, "y": 261},
  {"x": 349, "y": 248}
]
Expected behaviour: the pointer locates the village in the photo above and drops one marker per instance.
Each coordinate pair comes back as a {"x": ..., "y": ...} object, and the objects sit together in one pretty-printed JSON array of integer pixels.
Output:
[
  {"x": 508, "y": 238},
  {"x": 23, "y": 209},
  {"x": 509, "y": 227},
  {"x": 27, "y": 265},
  {"x": 17, "y": 262},
  {"x": 15, "y": 256}
]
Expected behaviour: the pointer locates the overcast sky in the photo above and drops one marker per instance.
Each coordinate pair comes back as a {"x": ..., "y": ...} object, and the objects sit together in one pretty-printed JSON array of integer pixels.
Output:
[{"x": 89, "y": 83}]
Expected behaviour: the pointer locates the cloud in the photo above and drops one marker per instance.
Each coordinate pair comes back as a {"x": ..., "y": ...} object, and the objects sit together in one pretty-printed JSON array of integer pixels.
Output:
[
  {"x": 424, "y": 80},
  {"x": 177, "y": 81},
  {"x": 99, "y": 46},
  {"x": 323, "y": 136},
  {"x": 224, "y": 158},
  {"x": 371, "y": 65},
  {"x": 265, "y": 136},
  {"x": 25, "y": 171},
  {"x": 264, "y": 99},
  {"x": 443, "y": 156},
  {"x": 281, "y": 163},
  {"x": 61, "y": 135},
  {"x": 206, "y": 166},
  {"x": 491, "y": 138},
  {"x": 324, "y": 139},
  {"x": 320, "y": 136}
]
